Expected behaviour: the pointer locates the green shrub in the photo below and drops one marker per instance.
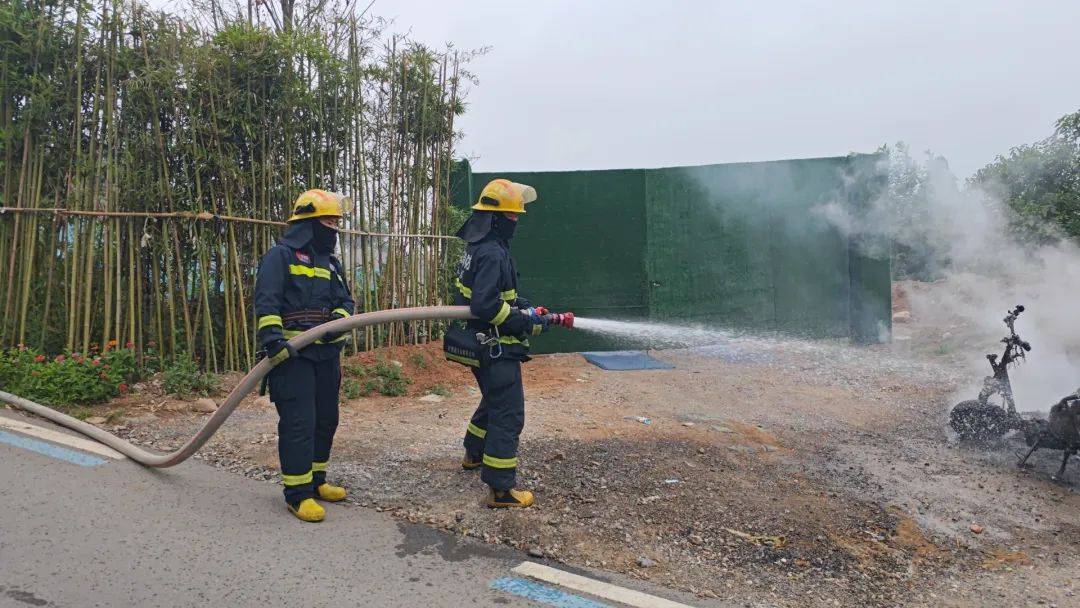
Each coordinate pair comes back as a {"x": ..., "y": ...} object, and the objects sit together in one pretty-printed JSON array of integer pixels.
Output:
[
  {"x": 441, "y": 390},
  {"x": 383, "y": 378},
  {"x": 183, "y": 377},
  {"x": 419, "y": 360},
  {"x": 351, "y": 388},
  {"x": 64, "y": 381}
]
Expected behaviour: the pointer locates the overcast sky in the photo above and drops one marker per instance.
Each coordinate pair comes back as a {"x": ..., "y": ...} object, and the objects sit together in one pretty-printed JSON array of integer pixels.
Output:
[
  {"x": 579, "y": 84},
  {"x": 608, "y": 84}
]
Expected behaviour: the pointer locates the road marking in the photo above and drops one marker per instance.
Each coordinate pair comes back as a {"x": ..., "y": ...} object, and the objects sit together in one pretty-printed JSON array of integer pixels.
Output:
[
  {"x": 49, "y": 449},
  {"x": 543, "y": 594},
  {"x": 594, "y": 587},
  {"x": 80, "y": 443}
]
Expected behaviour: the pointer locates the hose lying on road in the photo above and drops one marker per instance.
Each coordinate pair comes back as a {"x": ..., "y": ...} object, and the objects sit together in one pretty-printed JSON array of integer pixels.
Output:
[{"x": 247, "y": 384}]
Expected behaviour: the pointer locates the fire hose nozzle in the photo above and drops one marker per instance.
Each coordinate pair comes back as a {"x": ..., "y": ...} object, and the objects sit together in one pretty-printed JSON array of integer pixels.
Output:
[{"x": 565, "y": 319}]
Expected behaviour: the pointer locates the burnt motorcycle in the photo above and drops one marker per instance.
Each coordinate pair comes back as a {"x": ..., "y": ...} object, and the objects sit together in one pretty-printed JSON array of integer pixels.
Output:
[{"x": 993, "y": 413}]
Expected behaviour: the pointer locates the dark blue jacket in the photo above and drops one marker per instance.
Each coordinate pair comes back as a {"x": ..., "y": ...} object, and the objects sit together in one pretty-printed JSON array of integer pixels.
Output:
[
  {"x": 297, "y": 289},
  {"x": 487, "y": 284}
]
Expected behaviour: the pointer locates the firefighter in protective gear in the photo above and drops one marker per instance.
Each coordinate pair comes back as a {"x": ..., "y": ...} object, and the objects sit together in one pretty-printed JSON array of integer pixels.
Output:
[
  {"x": 487, "y": 283},
  {"x": 300, "y": 284}
]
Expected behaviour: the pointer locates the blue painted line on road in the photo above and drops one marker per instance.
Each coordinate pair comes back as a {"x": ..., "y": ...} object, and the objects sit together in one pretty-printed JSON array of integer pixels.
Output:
[
  {"x": 48, "y": 449},
  {"x": 543, "y": 594}
]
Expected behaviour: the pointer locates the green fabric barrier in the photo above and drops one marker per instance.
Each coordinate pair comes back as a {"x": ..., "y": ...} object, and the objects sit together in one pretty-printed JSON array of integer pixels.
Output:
[{"x": 740, "y": 246}]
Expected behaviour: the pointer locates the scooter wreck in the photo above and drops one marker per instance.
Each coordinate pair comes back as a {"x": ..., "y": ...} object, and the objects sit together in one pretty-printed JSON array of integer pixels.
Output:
[{"x": 982, "y": 418}]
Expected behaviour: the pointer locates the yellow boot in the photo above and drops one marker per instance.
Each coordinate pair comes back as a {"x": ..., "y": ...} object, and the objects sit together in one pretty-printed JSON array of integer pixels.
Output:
[
  {"x": 331, "y": 493},
  {"x": 501, "y": 499},
  {"x": 308, "y": 510}
]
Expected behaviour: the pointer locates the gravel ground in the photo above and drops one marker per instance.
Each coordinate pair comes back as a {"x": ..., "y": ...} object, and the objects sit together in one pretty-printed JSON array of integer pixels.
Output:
[{"x": 770, "y": 472}]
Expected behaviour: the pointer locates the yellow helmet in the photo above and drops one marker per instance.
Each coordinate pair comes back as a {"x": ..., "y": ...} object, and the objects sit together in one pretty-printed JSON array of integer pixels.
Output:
[
  {"x": 318, "y": 203},
  {"x": 505, "y": 195}
]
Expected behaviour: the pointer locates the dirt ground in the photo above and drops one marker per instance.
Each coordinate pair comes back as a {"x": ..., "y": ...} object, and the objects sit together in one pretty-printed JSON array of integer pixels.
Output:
[{"x": 769, "y": 472}]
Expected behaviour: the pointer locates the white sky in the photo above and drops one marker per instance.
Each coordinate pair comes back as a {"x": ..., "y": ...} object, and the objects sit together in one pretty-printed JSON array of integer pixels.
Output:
[{"x": 618, "y": 84}]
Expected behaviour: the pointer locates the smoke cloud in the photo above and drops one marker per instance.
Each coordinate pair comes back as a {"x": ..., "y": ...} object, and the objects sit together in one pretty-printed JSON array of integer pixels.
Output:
[{"x": 961, "y": 237}]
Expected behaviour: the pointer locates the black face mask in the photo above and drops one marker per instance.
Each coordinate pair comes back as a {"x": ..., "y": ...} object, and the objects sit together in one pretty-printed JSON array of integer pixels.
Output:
[
  {"x": 323, "y": 239},
  {"x": 503, "y": 227}
]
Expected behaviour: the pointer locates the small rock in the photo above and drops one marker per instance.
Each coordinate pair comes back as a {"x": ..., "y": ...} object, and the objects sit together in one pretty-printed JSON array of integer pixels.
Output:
[
  {"x": 688, "y": 424},
  {"x": 558, "y": 456},
  {"x": 901, "y": 316},
  {"x": 701, "y": 450},
  {"x": 204, "y": 405},
  {"x": 395, "y": 362},
  {"x": 696, "y": 539},
  {"x": 645, "y": 562},
  {"x": 536, "y": 552},
  {"x": 976, "y": 529},
  {"x": 431, "y": 398},
  {"x": 95, "y": 420}
]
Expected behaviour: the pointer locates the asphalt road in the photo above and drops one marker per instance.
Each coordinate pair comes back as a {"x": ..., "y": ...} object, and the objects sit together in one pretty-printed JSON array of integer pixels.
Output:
[{"x": 81, "y": 530}]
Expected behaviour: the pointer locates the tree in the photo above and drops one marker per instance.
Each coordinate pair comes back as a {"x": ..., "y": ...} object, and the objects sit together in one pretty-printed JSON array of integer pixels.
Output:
[{"x": 1040, "y": 182}]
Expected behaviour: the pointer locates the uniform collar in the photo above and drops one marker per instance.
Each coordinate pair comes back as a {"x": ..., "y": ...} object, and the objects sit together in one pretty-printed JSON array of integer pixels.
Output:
[{"x": 297, "y": 235}]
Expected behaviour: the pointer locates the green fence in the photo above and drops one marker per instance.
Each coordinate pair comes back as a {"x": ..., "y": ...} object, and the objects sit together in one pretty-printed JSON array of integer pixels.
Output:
[{"x": 740, "y": 246}]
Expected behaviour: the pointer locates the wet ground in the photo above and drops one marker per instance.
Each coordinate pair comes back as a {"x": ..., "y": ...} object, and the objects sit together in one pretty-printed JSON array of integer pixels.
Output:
[{"x": 768, "y": 472}]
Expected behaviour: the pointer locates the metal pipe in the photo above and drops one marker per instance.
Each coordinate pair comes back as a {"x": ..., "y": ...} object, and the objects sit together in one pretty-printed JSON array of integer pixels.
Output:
[{"x": 247, "y": 384}]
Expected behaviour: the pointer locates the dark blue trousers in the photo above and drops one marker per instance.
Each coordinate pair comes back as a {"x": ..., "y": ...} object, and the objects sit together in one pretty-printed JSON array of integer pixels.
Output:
[{"x": 305, "y": 393}]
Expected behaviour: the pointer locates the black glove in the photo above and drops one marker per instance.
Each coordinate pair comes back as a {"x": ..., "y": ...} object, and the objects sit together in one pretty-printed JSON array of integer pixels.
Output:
[
  {"x": 279, "y": 350},
  {"x": 334, "y": 335}
]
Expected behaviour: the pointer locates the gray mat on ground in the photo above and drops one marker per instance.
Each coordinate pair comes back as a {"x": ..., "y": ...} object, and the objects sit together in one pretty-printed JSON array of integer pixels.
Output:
[{"x": 621, "y": 360}]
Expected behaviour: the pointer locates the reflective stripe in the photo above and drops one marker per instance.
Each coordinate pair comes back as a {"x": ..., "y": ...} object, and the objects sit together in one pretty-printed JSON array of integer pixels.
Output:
[
  {"x": 503, "y": 313},
  {"x": 296, "y": 480},
  {"x": 317, "y": 467},
  {"x": 308, "y": 271},
  {"x": 537, "y": 329},
  {"x": 475, "y": 430},
  {"x": 292, "y": 333},
  {"x": 341, "y": 311},
  {"x": 269, "y": 320},
  {"x": 500, "y": 463},
  {"x": 465, "y": 360},
  {"x": 465, "y": 291},
  {"x": 508, "y": 296},
  {"x": 282, "y": 355},
  {"x": 513, "y": 340}
]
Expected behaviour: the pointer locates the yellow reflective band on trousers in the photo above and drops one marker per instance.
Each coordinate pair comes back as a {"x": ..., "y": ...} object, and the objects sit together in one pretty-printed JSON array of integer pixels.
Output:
[
  {"x": 503, "y": 313},
  {"x": 317, "y": 467},
  {"x": 308, "y": 271},
  {"x": 296, "y": 480},
  {"x": 500, "y": 463},
  {"x": 269, "y": 320},
  {"x": 475, "y": 430}
]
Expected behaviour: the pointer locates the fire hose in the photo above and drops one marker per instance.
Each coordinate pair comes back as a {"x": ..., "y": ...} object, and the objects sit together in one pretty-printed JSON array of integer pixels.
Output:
[
  {"x": 246, "y": 385},
  {"x": 250, "y": 382}
]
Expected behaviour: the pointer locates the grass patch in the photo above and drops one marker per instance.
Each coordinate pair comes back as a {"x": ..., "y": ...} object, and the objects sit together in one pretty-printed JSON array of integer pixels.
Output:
[{"x": 382, "y": 377}]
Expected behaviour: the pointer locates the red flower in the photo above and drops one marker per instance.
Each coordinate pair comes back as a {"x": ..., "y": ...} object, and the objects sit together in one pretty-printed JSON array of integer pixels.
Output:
[
  {"x": 123, "y": 388},
  {"x": 96, "y": 362},
  {"x": 59, "y": 358},
  {"x": 39, "y": 358},
  {"x": 129, "y": 344},
  {"x": 106, "y": 366}
]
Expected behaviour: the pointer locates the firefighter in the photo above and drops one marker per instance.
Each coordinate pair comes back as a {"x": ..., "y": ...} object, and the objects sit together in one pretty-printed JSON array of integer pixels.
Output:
[
  {"x": 300, "y": 285},
  {"x": 487, "y": 283}
]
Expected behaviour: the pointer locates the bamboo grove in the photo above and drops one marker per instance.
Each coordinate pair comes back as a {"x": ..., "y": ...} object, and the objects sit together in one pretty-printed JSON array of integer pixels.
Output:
[{"x": 147, "y": 162}]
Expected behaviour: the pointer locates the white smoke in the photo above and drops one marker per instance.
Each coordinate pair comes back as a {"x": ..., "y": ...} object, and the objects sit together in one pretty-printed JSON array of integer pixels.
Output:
[{"x": 964, "y": 236}]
